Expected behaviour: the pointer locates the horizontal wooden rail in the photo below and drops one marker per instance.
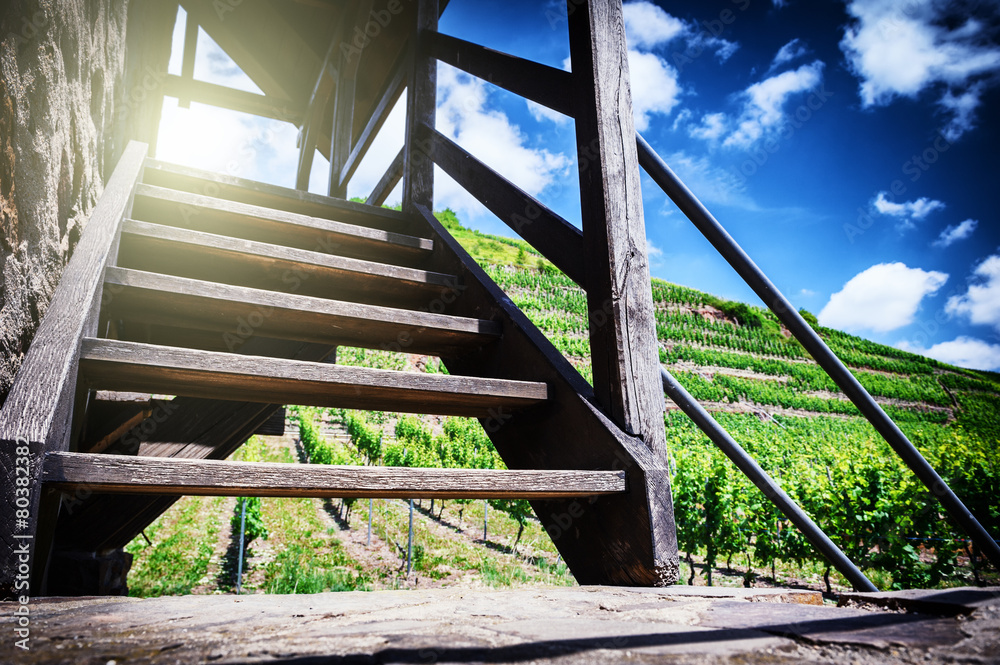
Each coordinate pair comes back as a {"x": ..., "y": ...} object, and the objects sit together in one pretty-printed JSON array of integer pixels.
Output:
[
  {"x": 558, "y": 240},
  {"x": 388, "y": 181},
  {"x": 170, "y": 475},
  {"x": 540, "y": 83},
  {"x": 387, "y": 99},
  {"x": 235, "y": 100}
]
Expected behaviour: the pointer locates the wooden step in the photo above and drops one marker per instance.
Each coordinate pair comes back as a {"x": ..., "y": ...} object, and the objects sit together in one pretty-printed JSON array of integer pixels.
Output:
[
  {"x": 239, "y": 312},
  {"x": 242, "y": 220},
  {"x": 188, "y": 179},
  {"x": 129, "y": 366},
  {"x": 215, "y": 258},
  {"x": 171, "y": 475}
]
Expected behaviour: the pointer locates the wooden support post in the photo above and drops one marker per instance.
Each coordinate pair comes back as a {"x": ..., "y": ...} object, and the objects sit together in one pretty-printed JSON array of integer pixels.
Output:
[
  {"x": 38, "y": 415},
  {"x": 187, "y": 61},
  {"x": 342, "y": 136},
  {"x": 619, "y": 299},
  {"x": 418, "y": 169},
  {"x": 620, "y": 302}
]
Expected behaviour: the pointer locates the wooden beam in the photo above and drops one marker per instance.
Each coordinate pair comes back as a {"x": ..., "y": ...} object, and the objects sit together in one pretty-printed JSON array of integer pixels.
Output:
[
  {"x": 187, "y": 61},
  {"x": 387, "y": 99},
  {"x": 158, "y": 475},
  {"x": 313, "y": 117},
  {"x": 166, "y": 300},
  {"x": 610, "y": 541},
  {"x": 37, "y": 415},
  {"x": 622, "y": 328},
  {"x": 230, "y": 187},
  {"x": 619, "y": 299},
  {"x": 558, "y": 240},
  {"x": 232, "y": 99},
  {"x": 341, "y": 137},
  {"x": 388, "y": 181},
  {"x": 258, "y": 38},
  {"x": 197, "y": 255},
  {"x": 418, "y": 169},
  {"x": 116, "y": 365},
  {"x": 221, "y": 216},
  {"x": 540, "y": 83}
]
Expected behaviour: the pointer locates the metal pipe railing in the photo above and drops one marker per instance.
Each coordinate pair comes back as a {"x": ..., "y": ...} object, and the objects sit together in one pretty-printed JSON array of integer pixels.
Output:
[
  {"x": 663, "y": 176},
  {"x": 748, "y": 465}
]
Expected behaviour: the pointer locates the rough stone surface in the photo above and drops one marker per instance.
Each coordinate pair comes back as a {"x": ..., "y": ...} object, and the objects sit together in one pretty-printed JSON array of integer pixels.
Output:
[
  {"x": 961, "y": 600},
  {"x": 538, "y": 625},
  {"x": 68, "y": 102}
]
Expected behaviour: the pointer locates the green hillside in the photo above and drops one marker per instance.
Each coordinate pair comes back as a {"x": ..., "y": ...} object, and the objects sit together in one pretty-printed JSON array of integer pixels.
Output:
[{"x": 759, "y": 383}]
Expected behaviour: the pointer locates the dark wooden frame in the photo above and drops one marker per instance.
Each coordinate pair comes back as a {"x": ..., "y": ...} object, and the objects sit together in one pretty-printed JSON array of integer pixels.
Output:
[{"x": 38, "y": 412}]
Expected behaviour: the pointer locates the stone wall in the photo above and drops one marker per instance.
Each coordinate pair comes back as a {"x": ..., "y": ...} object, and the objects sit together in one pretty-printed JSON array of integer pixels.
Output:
[{"x": 69, "y": 100}]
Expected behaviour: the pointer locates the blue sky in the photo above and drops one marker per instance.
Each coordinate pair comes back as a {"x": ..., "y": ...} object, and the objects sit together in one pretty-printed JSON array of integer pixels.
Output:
[{"x": 848, "y": 146}]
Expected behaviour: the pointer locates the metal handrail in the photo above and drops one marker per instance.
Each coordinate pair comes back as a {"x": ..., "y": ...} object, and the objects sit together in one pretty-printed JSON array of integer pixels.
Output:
[{"x": 705, "y": 222}]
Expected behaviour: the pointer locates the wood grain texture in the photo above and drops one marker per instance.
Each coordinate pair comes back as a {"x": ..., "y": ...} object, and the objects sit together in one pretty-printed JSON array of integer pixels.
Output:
[
  {"x": 222, "y": 216},
  {"x": 219, "y": 185},
  {"x": 386, "y": 101},
  {"x": 540, "y": 83},
  {"x": 38, "y": 412},
  {"x": 622, "y": 327},
  {"x": 235, "y": 100},
  {"x": 157, "y": 475},
  {"x": 418, "y": 169},
  {"x": 212, "y": 257},
  {"x": 557, "y": 240},
  {"x": 117, "y": 365},
  {"x": 234, "y": 313}
]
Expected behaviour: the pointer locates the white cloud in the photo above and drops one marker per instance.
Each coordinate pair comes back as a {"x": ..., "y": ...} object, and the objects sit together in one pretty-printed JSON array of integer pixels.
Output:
[
  {"x": 763, "y": 103},
  {"x": 383, "y": 150},
  {"x": 713, "y": 125},
  {"x": 953, "y": 234},
  {"x": 790, "y": 51},
  {"x": 655, "y": 89},
  {"x": 908, "y": 211},
  {"x": 882, "y": 298},
  {"x": 900, "y": 49},
  {"x": 214, "y": 65},
  {"x": 464, "y": 116},
  {"x": 713, "y": 184},
  {"x": 647, "y": 26},
  {"x": 981, "y": 303},
  {"x": 962, "y": 351},
  {"x": 540, "y": 113}
]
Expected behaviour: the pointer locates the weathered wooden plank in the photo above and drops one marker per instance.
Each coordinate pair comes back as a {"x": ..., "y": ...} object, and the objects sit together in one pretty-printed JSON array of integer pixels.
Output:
[
  {"x": 540, "y": 83},
  {"x": 230, "y": 98},
  {"x": 607, "y": 541},
  {"x": 117, "y": 365},
  {"x": 622, "y": 329},
  {"x": 157, "y": 475},
  {"x": 558, "y": 240},
  {"x": 386, "y": 100},
  {"x": 211, "y": 257},
  {"x": 37, "y": 414},
  {"x": 418, "y": 169},
  {"x": 236, "y": 313},
  {"x": 619, "y": 300},
  {"x": 222, "y": 216},
  {"x": 388, "y": 181},
  {"x": 252, "y": 192},
  {"x": 187, "y": 59}
]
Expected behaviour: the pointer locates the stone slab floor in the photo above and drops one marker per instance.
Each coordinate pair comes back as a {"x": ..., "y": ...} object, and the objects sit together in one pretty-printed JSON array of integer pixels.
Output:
[{"x": 535, "y": 625}]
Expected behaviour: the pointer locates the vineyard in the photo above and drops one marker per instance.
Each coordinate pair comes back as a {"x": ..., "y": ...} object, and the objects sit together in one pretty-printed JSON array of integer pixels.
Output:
[{"x": 763, "y": 387}]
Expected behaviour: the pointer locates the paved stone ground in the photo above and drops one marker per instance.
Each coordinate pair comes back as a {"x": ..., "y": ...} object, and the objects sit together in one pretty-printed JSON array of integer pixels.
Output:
[{"x": 538, "y": 625}]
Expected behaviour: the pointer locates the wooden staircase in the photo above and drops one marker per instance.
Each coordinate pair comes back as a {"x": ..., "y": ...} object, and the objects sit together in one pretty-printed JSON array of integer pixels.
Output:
[{"x": 197, "y": 303}]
